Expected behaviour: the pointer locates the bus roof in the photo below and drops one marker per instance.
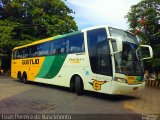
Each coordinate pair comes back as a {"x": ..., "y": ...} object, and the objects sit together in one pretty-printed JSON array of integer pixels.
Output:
[
  {"x": 62, "y": 36},
  {"x": 48, "y": 39}
]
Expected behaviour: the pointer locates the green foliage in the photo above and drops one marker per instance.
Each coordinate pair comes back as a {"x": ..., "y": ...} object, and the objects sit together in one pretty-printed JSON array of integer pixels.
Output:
[
  {"x": 24, "y": 21},
  {"x": 144, "y": 21}
]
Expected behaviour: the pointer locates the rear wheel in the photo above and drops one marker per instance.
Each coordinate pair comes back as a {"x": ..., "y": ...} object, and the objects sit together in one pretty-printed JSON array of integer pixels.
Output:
[
  {"x": 19, "y": 77},
  {"x": 24, "y": 79},
  {"x": 79, "y": 85}
]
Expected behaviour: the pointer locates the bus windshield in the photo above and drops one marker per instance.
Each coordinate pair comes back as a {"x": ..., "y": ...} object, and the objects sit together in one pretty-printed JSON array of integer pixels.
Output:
[{"x": 129, "y": 61}]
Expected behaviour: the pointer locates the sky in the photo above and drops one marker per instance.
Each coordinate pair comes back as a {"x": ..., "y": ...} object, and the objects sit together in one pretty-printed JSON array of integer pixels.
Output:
[{"x": 101, "y": 12}]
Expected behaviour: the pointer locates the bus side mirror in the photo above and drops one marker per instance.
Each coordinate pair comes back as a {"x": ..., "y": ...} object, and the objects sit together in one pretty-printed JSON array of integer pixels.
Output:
[
  {"x": 117, "y": 44},
  {"x": 147, "y": 52}
]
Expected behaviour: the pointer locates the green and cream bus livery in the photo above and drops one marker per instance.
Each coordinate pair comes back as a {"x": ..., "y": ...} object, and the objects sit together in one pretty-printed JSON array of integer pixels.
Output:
[{"x": 101, "y": 59}]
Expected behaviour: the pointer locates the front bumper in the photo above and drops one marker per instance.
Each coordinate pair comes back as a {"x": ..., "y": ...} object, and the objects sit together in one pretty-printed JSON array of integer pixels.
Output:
[{"x": 124, "y": 88}]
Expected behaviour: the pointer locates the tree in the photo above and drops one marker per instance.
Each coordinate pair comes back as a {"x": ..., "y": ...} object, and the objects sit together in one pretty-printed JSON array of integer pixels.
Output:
[
  {"x": 144, "y": 21},
  {"x": 24, "y": 21}
]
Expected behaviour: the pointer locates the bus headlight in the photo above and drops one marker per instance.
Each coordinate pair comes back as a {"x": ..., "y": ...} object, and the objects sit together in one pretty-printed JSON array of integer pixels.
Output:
[{"x": 122, "y": 80}]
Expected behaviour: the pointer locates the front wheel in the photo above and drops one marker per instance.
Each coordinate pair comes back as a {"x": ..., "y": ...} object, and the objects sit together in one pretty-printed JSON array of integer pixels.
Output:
[{"x": 79, "y": 85}]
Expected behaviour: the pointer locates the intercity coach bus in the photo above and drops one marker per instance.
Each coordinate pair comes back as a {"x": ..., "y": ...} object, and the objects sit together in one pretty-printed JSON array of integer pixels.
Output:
[{"x": 101, "y": 59}]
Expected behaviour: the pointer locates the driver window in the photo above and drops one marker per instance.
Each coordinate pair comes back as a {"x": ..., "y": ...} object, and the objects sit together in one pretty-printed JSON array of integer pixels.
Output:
[{"x": 99, "y": 53}]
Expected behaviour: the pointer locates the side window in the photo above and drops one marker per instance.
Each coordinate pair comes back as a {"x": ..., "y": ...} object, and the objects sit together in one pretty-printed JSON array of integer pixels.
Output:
[
  {"x": 75, "y": 43},
  {"x": 23, "y": 52},
  {"x": 58, "y": 46},
  {"x": 99, "y": 54},
  {"x": 44, "y": 49},
  {"x": 34, "y": 51},
  {"x": 19, "y": 54},
  {"x": 26, "y": 52},
  {"x": 15, "y": 54}
]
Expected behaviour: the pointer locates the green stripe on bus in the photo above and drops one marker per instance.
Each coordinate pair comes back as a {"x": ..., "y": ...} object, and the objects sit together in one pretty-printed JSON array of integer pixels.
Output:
[
  {"x": 139, "y": 78},
  {"x": 67, "y": 35},
  {"x": 46, "y": 66},
  {"x": 51, "y": 66}
]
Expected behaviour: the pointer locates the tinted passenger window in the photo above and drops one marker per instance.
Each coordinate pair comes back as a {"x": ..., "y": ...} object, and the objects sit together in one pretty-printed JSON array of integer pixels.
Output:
[
  {"x": 58, "y": 46},
  {"x": 75, "y": 43},
  {"x": 26, "y": 52},
  {"x": 19, "y": 54},
  {"x": 15, "y": 54},
  {"x": 33, "y": 51},
  {"x": 44, "y": 49},
  {"x": 99, "y": 53},
  {"x": 71, "y": 44}
]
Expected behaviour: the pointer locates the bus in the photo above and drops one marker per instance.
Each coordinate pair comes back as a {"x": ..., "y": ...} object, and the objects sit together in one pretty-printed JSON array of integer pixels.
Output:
[{"x": 101, "y": 59}]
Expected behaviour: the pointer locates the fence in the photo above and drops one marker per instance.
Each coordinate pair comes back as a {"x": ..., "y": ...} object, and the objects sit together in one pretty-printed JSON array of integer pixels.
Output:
[{"x": 153, "y": 82}]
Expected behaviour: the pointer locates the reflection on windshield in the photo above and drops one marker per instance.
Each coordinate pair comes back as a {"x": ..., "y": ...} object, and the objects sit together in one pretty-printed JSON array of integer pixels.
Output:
[
  {"x": 125, "y": 36},
  {"x": 129, "y": 61}
]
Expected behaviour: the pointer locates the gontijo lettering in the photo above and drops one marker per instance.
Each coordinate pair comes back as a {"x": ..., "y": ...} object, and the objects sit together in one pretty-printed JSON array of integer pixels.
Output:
[{"x": 30, "y": 61}]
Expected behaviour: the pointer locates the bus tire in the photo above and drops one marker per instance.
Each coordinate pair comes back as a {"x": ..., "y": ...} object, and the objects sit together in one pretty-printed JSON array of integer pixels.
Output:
[
  {"x": 72, "y": 84},
  {"x": 78, "y": 85},
  {"x": 72, "y": 89},
  {"x": 19, "y": 77},
  {"x": 24, "y": 79}
]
